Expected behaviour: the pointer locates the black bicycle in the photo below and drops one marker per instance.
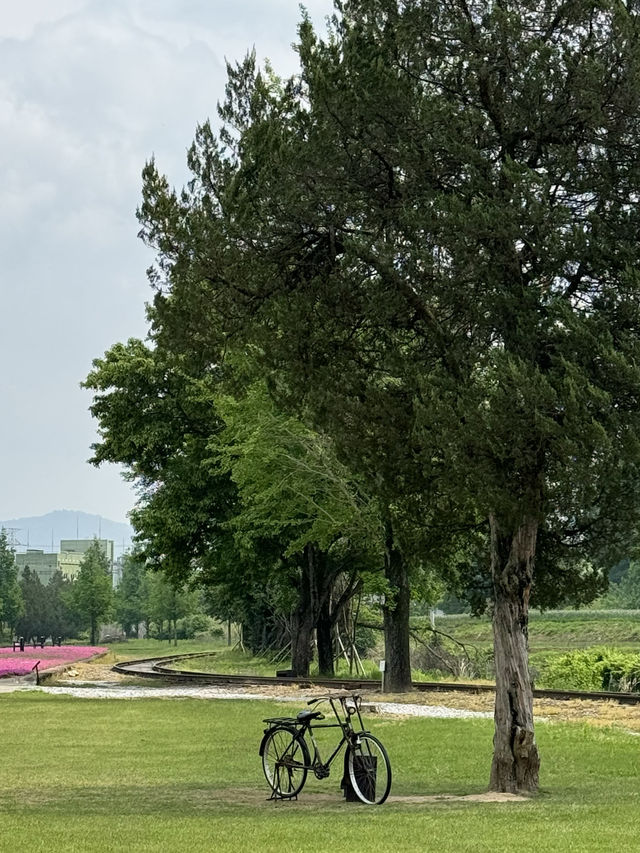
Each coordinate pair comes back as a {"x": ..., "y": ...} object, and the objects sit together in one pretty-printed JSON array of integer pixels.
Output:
[{"x": 286, "y": 758}]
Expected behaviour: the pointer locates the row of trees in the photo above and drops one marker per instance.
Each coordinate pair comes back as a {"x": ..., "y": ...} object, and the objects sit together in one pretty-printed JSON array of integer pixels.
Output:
[
  {"x": 425, "y": 248},
  {"x": 66, "y": 608},
  {"x": 149, "y": 601},
  {"x": 61, "y": 608},
  {"x": 245, "y": 500}
]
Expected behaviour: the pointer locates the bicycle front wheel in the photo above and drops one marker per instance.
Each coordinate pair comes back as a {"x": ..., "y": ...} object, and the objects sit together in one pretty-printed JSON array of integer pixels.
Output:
[
  {"x": 285, "y": 759},
  {"x": 369, "y": 769}
]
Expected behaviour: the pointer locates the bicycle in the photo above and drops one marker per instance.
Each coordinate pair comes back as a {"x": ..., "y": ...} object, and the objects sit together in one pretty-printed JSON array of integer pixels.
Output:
[{"x": 286, "y": 758}]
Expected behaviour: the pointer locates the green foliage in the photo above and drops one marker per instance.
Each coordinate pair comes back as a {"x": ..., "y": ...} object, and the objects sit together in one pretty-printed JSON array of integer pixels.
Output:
[
  {"x": 232, "y": 491},
  {"x": 11, "y": 604},
  {"x": 47, "y": 610},
  {"x": 33, "y": 619},
  {"x": 451, "y": 294},
  {"x": 92, "y": 589},
  {"x": 593, "y": 669},
  {"x": 157, "y": 417},
  {"x": 195, "y": 625},
  {"x": 61, "y": 617},
  {"x": 627, "y": 592},
  {"x": 131, "y": 604},
  {"x": 291, "y": 485}
]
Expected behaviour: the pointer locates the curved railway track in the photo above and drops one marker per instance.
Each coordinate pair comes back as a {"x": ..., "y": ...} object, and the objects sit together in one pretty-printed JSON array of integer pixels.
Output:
[{"x": 163, "y": 668}]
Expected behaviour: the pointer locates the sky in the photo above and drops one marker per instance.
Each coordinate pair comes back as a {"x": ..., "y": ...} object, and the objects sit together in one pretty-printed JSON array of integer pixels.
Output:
[{"x": 89, "y": 91}]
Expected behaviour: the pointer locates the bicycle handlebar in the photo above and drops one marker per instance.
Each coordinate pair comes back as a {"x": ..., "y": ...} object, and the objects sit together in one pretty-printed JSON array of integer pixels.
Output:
[{"x": 345, "y": 695}]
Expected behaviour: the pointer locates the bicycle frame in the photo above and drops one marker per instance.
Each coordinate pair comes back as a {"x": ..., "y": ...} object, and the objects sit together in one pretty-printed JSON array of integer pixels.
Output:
[{"x": 343, "y": 711}]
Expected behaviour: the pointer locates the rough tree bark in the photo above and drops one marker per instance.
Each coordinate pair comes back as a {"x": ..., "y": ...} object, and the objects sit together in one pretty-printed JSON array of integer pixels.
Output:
[
  {"x": 515, "y": 759},
  {"x": 304, "y": 617},
  {"x": 396, "y": 620},
  {"x": 324, "y": 637}
]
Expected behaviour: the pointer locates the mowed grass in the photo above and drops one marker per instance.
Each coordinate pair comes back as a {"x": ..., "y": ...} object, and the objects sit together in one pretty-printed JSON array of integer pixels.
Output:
[
  {"x": 184, "y": 775},
  {"x": 233, "y": 661},
  {"x": 147, "y": 648}
]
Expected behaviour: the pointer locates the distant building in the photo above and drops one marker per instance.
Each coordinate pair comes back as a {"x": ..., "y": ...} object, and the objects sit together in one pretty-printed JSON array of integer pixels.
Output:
[
  {"x": 116, "y": 572},
  {"x": 43, "y": 564},
  {"x": 68, "y": 561},
  {"x": 72, "y": 553}
]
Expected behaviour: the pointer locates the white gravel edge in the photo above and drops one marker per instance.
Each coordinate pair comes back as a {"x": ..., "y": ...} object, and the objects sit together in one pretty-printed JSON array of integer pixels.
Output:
[{"x": 116, "y": 691}]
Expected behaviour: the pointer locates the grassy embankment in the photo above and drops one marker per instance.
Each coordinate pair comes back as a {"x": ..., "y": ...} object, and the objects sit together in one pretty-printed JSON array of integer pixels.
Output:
[
  {"x": 557, "y": 630},
  {"x": 146, "y": 775}
]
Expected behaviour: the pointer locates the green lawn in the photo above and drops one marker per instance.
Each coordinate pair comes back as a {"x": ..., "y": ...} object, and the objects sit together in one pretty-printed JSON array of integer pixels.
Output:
[
  {"x": 234, "y": 661},
  {"x": 184, "y": 775}
]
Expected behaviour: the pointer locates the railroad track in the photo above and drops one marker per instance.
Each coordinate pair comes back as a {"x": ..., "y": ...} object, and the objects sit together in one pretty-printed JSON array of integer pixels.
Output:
[{"x": 163, "y": 668}]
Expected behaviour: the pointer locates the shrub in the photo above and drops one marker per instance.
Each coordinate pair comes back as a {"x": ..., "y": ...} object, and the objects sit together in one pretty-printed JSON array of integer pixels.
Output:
[{"x": 593, "y": 669}]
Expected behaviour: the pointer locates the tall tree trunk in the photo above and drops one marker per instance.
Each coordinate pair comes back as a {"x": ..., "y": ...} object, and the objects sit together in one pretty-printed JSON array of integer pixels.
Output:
[
  {"x": 324, "y": 638},
  {"x": 396, "y": 620},
  {"x": 302, "y": 648},
  {"x": 515, "y": 757},
  {"x": 304, "y": 617}
]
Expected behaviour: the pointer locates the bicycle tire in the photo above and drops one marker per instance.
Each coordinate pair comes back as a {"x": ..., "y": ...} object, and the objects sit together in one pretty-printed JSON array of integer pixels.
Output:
[
  {"x": 369, "y": 769},
  {"x": 285, "y": 761}
]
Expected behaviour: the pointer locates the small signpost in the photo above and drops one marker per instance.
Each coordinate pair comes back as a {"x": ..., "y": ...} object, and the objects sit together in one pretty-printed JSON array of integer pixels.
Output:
[{"x": 383, "y": 665}]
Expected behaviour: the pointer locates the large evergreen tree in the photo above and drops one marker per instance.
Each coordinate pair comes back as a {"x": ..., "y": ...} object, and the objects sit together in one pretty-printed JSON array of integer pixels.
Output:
[{"x": 431, "y": 237}]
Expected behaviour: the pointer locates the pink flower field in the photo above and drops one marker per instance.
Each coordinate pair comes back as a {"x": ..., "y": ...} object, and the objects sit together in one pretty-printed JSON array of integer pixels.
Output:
[{"x": 21, "y": 663}]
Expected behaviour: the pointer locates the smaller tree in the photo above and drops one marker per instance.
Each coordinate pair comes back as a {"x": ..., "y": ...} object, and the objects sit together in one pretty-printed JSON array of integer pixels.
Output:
[
  {"x": 60, "y": 619},
  {"x": 11, "y": 605},
  {"x": 294, "y": 492},
  {"x": 169, "y": 602},
  {"x": 32, "y": 622},
  {"x": 131, "y": 596},
  {"x": 92, "y": 590}
]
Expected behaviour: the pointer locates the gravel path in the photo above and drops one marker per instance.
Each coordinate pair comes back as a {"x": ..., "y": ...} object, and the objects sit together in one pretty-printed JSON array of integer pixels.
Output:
[{"x": 106, "y": 690}]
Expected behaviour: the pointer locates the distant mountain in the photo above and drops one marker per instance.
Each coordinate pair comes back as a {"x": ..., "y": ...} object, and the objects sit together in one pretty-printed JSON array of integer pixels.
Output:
[{"x": 46, "y": 531}]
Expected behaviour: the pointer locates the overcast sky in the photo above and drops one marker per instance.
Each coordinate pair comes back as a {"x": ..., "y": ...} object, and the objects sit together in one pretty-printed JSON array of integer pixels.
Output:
[{"x": 89, "y": 90}]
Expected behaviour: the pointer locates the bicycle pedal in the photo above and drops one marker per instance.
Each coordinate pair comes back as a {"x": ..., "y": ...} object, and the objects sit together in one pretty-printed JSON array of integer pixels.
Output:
[{"x": 321, "y": 772}]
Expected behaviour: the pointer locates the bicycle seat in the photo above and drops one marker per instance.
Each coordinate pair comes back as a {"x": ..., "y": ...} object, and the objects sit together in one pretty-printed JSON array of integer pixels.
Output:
[{"x": 305, "y": 716}]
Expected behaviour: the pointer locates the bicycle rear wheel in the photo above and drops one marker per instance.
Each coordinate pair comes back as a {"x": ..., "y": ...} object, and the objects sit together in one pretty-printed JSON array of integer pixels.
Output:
[
  {"x": 369, "y": 769},
  {"x": 285, "y": 759}
]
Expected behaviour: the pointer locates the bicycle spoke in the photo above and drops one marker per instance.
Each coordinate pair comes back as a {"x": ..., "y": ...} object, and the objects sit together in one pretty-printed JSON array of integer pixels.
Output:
[{"x": 284, "y": 761}]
